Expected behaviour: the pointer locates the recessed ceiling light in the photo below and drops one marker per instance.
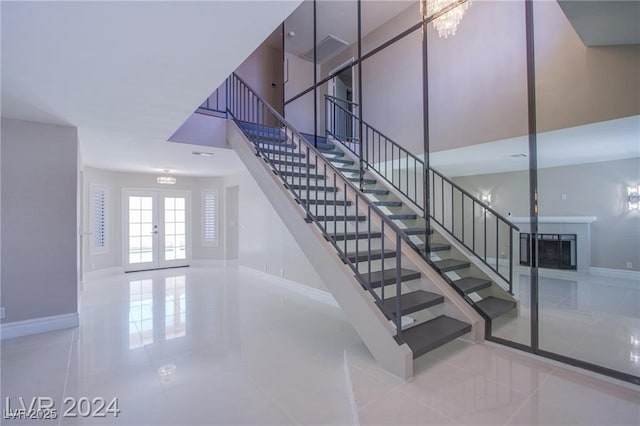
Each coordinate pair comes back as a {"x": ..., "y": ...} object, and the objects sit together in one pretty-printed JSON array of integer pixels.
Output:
[
  {"x": 518, "y": 155},
  {"x": 203, "y": 154}
]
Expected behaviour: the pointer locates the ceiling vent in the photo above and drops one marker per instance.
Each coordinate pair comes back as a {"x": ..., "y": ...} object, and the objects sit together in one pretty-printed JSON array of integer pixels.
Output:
[{"x": 328, "y": 47}]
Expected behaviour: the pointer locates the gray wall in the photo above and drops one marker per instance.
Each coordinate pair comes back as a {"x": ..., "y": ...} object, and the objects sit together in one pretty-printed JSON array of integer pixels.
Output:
[
  {"x": 39, "y": 220},
  {"x": 594, "y": 189},
  {"x": 116, "y": 182}
]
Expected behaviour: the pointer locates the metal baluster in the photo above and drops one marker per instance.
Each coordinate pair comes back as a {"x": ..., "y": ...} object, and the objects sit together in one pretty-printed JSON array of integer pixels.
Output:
[
  {"x": 398, "y": 290},
  {"x": 511, "y": 260},
  {"x": 485, "y": 233},
  {"x": 383, "y": 265},
  {"x": 357, "y": 234},
  {"x": 369, "y": 243},
  {"x": 497, "y": 244},
  {"x": 462, "y": 204}
]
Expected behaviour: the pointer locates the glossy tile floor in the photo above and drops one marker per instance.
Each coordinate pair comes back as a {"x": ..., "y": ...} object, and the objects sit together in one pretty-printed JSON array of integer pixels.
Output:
[
  {"x": 229, "y": 346},
  {"x": 591, "y": 318}
]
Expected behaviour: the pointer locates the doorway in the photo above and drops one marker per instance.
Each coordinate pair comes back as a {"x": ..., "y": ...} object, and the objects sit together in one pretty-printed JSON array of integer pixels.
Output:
[
  {"x": 156, "y": 229},
  {"x": 342, "y": 110}
]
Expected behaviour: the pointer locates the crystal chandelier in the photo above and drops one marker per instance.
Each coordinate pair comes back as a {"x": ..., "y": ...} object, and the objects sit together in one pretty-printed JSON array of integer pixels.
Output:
[{"x": 447, "y": 23}]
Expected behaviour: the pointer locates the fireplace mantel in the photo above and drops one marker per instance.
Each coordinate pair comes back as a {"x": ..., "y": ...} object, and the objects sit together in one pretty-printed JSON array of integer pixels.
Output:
[{"x": 555, "y": 219}]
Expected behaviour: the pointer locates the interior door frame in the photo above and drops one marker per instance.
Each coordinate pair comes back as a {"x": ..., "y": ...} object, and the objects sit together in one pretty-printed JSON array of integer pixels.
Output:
[
  {"x": 158, "y": 262},
  {"x": 331, "y": 88}
]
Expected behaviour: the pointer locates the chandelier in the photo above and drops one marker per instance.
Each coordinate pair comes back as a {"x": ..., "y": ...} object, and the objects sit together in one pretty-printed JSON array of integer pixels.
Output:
[{"x": 447, "y": 23}]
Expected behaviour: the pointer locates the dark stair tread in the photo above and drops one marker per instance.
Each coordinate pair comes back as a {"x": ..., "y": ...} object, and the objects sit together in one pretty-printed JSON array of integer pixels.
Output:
[
  {"x": 413, "y": 302},
  {"x": 402, "y": 216},
  {"x": 281, "y": 152},
  {"x": 348, "y": 170},
  {"x": 389, "y": 277},
  {"x": 341, "y": 218},
  {"x": 274, "y": 143},
  {"x": 367, "y": 181},
  {"x": 265, "y": 136},
  {"x": 375, "y": 191},
  {"x": 493, "y": 307},
  {"x": 352, "y": 236},
  {"x": 435, "y": 247},
  {"x": 314, "y": 188},
  {"x": 447, "y": 265},
  {"x": 291, "y": 163},
  {"x": 311, "y": 139},
  {"x": 387, "y": 203},
  {"x": 341, "y": 160},
  {"x": 329, "y": 202},
  {"x": 364, "y": 256},
  {"x": 334, "y": 152},
  {"x": 416, "y": 231},
  {"x": 302, "y": 175},
  {"x": 323, "y": 147},
  {"x": 429, "y": 335},
  {"x": 471, "y": 284}
]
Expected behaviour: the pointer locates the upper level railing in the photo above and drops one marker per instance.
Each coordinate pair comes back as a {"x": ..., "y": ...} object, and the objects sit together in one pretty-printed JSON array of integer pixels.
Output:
[
  {"x": 344, "y": 215},
  {"x": 469, "y": 220},
  {"x": 216, "y": 103},
  {"x": 342, "y": 125}
]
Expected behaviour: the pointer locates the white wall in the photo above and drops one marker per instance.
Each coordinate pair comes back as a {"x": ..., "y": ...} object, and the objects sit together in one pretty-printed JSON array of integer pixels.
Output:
[
  {"x": 593, "y": 189},
  {"x": 265, "y": 243},
  {"x": 477, "y": 78},
  {"x": 298, "y": 78},
  {"x": 39, "y": 220},
  {"x": 116, "y": 182}
]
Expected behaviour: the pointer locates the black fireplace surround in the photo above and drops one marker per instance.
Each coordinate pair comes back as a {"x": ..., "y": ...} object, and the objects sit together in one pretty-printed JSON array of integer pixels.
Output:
[{"x": 554, "y": 251}]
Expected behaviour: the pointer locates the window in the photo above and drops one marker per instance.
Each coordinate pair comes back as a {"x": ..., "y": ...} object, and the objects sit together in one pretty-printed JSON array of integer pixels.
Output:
[
  {"x": 210, "y": 218},
  {"x": 99, "y": 198}
]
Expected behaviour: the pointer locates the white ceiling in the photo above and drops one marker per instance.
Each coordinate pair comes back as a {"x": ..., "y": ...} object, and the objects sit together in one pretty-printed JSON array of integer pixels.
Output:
[
  {"x": 604, "y": 141},
  {"x": 128, "y": 74}
]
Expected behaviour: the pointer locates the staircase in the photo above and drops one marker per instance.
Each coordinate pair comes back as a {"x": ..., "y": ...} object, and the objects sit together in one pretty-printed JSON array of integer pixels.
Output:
[
  {"x": 367, "y": 256},
  {"x": 391, "y": 176}
]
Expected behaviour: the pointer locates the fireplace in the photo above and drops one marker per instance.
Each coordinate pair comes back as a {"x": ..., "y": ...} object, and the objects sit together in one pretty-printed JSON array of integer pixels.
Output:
[
  {"x": 555, "y": 251},
  {"x": 578, "y": 227}
]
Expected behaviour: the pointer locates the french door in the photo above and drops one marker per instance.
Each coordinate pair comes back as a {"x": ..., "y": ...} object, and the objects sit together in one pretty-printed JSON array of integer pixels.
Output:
[{"x": 156, "y": 229}]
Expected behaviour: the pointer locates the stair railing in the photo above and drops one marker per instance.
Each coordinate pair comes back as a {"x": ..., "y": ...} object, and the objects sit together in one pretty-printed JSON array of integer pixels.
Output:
[
  {"x": 340, "y": 115},
  {"x": 466, "y": 218},
  {"x": 215, "y": 104},
  {"x": 300, "y": 164}
]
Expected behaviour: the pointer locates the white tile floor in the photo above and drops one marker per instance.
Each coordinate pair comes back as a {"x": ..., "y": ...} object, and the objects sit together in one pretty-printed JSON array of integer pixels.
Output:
[
  {"x": 244, "y": 351},
  {"x": 587, "y": 317}
]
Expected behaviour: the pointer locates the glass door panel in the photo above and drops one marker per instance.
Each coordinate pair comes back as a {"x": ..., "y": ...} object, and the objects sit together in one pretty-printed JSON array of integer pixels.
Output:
[
  {"x": 174, "y": 233},
  {"x": 156, "y": 229},
  {"x": 141, "y": 230}
]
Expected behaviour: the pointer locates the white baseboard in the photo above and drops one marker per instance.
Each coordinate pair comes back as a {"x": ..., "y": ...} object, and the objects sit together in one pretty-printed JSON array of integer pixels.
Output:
[
  {"x": 203, "y": 263},
  {"x": 615, "y": 273},
  {"x": 39, "y": 325},
  {"x": 101, "y": 273},
  {"x": 310, "y": 292}
]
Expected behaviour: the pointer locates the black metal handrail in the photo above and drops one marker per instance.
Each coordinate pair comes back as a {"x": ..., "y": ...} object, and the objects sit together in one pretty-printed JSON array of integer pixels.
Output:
[
  {"x": 395, "y": 165},
  {"x": 300, "y": 163},
  {"x": 341, "y": 100},
  {"x": 340, "y": 118}
]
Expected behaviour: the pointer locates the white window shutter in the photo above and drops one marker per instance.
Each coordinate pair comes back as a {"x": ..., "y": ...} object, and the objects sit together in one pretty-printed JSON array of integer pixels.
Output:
[
  {"x": 209, "y": 218},
  {"x": 99, "y": 196}
]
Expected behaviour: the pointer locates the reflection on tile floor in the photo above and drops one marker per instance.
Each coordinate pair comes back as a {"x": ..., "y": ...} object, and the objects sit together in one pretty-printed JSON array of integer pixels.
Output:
[
  {"x": 591, "y": 318},
  {"x": 223, "y": 346}
]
